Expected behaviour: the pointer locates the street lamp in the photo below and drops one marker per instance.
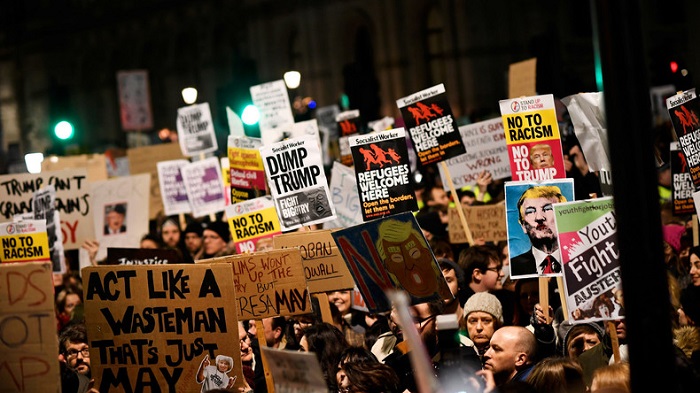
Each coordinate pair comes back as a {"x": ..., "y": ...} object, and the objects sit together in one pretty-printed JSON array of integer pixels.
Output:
[
  {"x": 33, "y": 161},
  {"x": 292, "y": 79},
  {"x": 189, "y": 95}
]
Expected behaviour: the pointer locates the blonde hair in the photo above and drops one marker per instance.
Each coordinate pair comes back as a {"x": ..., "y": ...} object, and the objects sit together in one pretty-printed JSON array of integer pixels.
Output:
[
  {"x": 396, "y": 231},
  {"x": 539, "y": 192},
  {"x": 616, "y": 375}
]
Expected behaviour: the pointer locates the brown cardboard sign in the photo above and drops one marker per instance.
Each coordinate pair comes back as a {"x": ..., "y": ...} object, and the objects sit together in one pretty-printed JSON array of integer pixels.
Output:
[
  {"x": 145, "y": 160},
  {"x": 28, "y": 340},
  {"x": 522, "y": 78},
  {"x": 324, "y": 267},
  {"x": 487, "y": 222},
  {"x": 158, "y": 327},
  {"x": 269, "y": 283}
]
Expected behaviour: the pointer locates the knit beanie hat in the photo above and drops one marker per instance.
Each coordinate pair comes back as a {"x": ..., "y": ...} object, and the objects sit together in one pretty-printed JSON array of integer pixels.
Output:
[
  {"x": 486, "y": 302},
  {"x": 672, "y": 235},
  {"x": 221, "y": 229},
  {"x": 193, "y": 227}
]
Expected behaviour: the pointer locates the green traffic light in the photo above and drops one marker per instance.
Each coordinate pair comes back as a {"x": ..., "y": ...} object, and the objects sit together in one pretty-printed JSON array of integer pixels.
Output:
[{"x": 63, "y": 130}]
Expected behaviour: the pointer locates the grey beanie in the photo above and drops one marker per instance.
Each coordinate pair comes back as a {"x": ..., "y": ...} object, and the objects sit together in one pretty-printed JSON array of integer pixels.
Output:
[
  {"x": 486, "y": 302},
  {"x": 565, "y": 328}
]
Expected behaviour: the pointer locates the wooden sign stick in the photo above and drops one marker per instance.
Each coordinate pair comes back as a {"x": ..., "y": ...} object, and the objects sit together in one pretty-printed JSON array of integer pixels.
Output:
[
  {"x": 325, "y": 306},
  {"x": 696, "y": 238},
  {"x": 263, "y": 343},
  {"x": 462, "y": 218},
  {"x": 544, "y": 297},
  {"x": 562, "y": 296},
  {"x": 612, "y": 331}
]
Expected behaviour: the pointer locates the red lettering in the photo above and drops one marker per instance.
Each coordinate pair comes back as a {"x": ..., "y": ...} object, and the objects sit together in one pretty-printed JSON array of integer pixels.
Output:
[{"x": 72, "y": 230}]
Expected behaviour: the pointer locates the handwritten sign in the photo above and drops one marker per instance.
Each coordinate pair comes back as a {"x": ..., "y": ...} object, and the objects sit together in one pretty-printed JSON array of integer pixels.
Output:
[
  {"x": 152, "y": 327},
  {"x": 295, "y": 371},
  {"x": 28, "y": 340},
  {"x": 343, "y": 189},
  {"x": 324, "y": 267},
  {"x": 272, "y": 100},
  {"x": 269, "y": 283},
  {"x": 145, "y": 160},
  {"x": 73, "y": 201},
  {"x": 487, "y": 222}
]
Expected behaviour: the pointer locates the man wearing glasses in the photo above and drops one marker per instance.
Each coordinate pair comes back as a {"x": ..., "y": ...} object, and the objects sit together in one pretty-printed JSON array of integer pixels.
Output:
[
  {"x": 75, "y": 360},
  {"x": 537, "y": 220}
]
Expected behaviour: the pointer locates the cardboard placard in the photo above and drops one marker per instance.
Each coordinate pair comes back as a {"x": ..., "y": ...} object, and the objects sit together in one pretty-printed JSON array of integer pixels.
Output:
[
  {"x": 487, "y": 151},
  {"x": 522, "y": 78},
  {"x": 145, "y": 160},
  {"x": 383, "y": 171},
  {"x": 391, "y": 253},
  {"x": 592, "y": 274},
  {"x": 532, "y": 135},
  {"x": 324, "y": 267},
  {"x": 272, "y": 100},
  {"x": 205, "y": 186},
  {"x": 345, "y": 198},
  {"x": 246, "y": 170},
  {"x": 431, "y": 125},
  {"x": 294, "y": 171},
  {"x": 142, "y": 256},
  {"x": 94, "y": 164},
  {"x": 295, "y": 371},
  {"x": 172, "y": 187},
  {"x": 684, "y": 109},
  {"x": 533, "y": 218},
  {"x": 29, "y": 343},
  {"x": 134, "y": 100},
  {"x": 486, "y": 222},
  {"x": 195, "y": 130},
  {"x": 73, "y": 201},
  {"x": 269, "y": 283},
  {"x": 152, "y": 327},
  {"x": 253, "y": 223},
  {"x": 681, "y": 183}
]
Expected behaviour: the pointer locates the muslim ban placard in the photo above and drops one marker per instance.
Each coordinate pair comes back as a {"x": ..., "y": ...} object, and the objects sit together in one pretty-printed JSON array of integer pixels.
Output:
[
  {"x": 24, "y": 241},
  {"x": 28, "y": 339},
  {"x": 172, "y": 187},
  {"x": 431, "y": 125},
  {"x": 684, "y": 109},
  {"x": 391, "y": 253},
  {"x": 529, "y": 215},
  {"x": 590, "y": 252},
  {"x": 384, "y": 180},
  {"x": 152, "y": 327},
  {"x": 247, "y": 173},
  {"x": 253, "y": 223},
  {"x": 345, "y": 198},
  {"x": 486, "y": 222},
  {"x": 44, "y": 202},
  {"x": 532, "y": 135},
  {"x": 268, "y": 283},
  {"x": 142, "y": 256},
  {"x": 324, "y": 267},
  {"x": 681, "y": 183},
  {"x": 205, "y": 187},
  {"x": 486, "y": 151},
  {"x": 297, "y": 181},
  {"x": 73, "y": 201},
  {"x": 195, "y": 130}
]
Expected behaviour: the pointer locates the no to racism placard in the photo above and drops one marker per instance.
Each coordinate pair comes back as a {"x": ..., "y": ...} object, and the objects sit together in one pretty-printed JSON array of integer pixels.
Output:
[
  {"x": 24, "y": 241},
  {"x": 294, "y": 170},
  {"x": 247, "y": 174},
  {"x": 430, "y": 124},
  {"x": 384, "y": 180},
  {"x": 684, "y": 109},
  {"x": 73, "y": 201},
  {"x": 155, "y": 327},
  {"x": 487, "y": 151},
  {"x": 28, "y": 339},
  {"x": 391, "y": 253},
  {"x": 588, "y": 242},
  {"x": 532, "y": 136},
  {"x": 253, "y": 223},
  {"x": 205, "y": 186},
  {"x": 681, "y": 184},
  {"x": 324, "y": 267},
  {"x": 195, "y": 130},
  {"x": 172, "y": 187}
]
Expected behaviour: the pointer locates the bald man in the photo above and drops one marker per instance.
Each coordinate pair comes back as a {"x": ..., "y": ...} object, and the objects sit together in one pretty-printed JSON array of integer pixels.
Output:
[{"x": 511, "y": 355}]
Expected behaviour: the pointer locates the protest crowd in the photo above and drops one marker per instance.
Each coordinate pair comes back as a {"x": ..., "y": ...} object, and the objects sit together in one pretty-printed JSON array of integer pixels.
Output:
[{"x": 449, "y": 271}]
